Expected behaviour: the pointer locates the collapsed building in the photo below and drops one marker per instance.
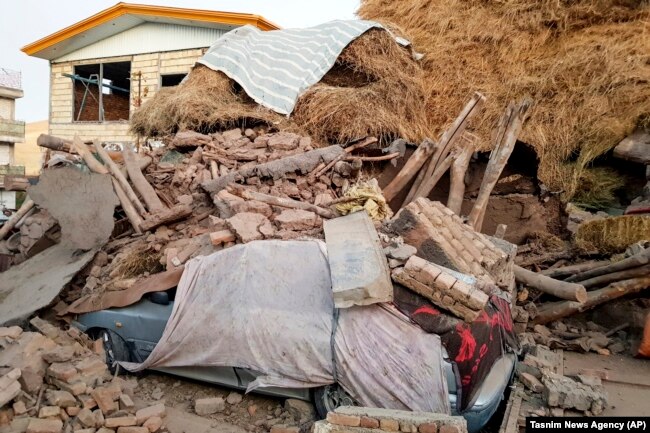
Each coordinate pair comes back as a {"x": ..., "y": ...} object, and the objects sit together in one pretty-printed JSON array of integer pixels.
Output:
[{"x": 224, "y": 161}]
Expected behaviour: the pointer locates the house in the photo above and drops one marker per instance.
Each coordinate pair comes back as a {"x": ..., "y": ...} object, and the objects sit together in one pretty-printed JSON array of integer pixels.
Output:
[
  {"x": 12, "y": 131},
  {"x": 132, "y": 51}
]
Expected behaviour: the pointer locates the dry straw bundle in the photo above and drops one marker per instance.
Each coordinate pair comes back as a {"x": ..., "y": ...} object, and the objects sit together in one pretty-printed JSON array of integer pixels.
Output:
[
  {"x": 585, "y": 63},
  {"x": 206, "y": 101},
  {"x": 375, "y": 88}
]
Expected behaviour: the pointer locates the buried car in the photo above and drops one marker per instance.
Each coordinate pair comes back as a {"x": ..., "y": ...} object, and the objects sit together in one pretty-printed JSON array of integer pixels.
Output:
[{"x": 272, "y": 328}]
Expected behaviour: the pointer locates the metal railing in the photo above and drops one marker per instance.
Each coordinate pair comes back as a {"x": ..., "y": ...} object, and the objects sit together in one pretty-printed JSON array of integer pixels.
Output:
[
  {"x": 10, "y": 78},
  {"x": 12, "y": 128}
]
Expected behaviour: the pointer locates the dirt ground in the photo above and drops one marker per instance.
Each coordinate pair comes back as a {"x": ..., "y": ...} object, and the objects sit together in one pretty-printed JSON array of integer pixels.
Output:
[
  {"x": 627, "y": 383},
  {"x": 254, "y": 413}
]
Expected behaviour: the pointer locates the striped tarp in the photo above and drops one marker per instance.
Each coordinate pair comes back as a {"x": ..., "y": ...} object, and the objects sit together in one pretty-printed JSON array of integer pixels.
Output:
[{"x": 276, "y": 67}]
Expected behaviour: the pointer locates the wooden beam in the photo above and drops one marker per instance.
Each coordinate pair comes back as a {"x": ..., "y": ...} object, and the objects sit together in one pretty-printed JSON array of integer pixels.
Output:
[
  {"x": 410, "y": 169},
  {"x": 560, "y": 289},
  {"x": 509, "y": 128},
  {"x": 140, "y": 183}
]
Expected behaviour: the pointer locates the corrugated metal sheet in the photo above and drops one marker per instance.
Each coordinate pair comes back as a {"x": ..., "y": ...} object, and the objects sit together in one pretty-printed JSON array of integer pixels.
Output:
[{"x": 147, "y": 38}]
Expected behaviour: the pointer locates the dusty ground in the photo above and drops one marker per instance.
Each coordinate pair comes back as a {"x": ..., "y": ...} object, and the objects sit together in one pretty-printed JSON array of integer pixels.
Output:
[
  {"x": 255, "y": 412},
  {"x": 627, "y": 383}
]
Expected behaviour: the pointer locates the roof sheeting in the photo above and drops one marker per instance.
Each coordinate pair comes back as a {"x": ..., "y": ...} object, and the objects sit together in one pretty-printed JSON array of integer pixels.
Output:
[{"x": 124, "y": 16}]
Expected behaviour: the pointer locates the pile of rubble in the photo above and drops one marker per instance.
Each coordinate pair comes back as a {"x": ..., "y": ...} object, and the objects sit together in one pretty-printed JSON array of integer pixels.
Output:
[
  {"x": 197, "y": 194},
  {"x": 547, "y": 392},
  {"x": 53, "y": 381}
]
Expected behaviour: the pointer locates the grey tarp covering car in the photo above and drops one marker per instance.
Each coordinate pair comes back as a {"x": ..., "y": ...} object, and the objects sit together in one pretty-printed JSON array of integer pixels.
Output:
[{"x": 267, "y": 306}]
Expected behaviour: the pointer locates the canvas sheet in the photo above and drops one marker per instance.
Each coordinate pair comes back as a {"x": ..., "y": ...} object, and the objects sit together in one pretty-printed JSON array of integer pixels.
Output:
[
  {"x": 267, "y": 306},
  {"x": 276, "y": 67}
]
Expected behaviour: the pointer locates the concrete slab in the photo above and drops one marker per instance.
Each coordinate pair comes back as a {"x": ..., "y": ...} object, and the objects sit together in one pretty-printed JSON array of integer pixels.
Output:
[
  {"x": 35, "y": 283},
  {"x": 82, "y": 203},
  {"x": 358, "y": 266}
]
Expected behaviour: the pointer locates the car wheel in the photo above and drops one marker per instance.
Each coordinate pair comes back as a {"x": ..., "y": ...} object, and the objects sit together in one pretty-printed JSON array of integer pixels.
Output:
[
  {"x": 328, "y": 398},
  {"x": 115, "y": 348}
]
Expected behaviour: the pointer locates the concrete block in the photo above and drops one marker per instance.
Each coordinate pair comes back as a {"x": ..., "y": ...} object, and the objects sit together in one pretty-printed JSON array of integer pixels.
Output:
[{"x": 358, "y": 266}]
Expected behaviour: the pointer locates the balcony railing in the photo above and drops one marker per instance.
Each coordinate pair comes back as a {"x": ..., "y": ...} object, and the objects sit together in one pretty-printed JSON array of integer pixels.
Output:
[{"x": 12, "y": 128}]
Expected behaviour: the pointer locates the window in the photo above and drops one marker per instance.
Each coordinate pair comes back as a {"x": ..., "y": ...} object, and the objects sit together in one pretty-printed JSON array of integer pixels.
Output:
[
  {"x": 171, "y": 80},
  {"x": 109, "y": 101}
]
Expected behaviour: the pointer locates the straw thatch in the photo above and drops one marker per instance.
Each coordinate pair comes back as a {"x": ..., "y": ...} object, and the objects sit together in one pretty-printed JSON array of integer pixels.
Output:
[
  {"x": 613, "y": 234},
  {"x": 585, "y": 63},
  {"x": 375, "y": 88},
  {"x": 206, "y": 101}
]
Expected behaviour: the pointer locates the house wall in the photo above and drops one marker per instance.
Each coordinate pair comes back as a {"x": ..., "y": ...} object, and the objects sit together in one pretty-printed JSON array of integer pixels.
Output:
[
  {"x": 29, "y": 154},
  {"x": 6, "y": 153},
  {"x": 146, "y": 70},
  {"x": 7, "y": 107}
]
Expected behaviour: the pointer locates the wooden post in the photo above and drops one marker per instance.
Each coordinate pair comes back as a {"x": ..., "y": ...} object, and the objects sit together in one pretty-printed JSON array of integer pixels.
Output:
[
  {"x": 457, "y": 175},
  {"x": 566, "y": 271},
  {"x": 445, "y": 145},
  {"x": 166, "y": 216},
  {"x": 127, "y": 206},
  {"x": 626, "y": 274},
  {"x": 11, "y": 222},
  {"x": 140, "y": 182},
  {"x": 97, "y": 167},
  {"x": 94, "y": 165},
  {"x": 561, "y": 289},
  {"x": 365, "y": 142},
  {"x": 638, "y": 259},
  {"x": 410, "y": 169},
  {"x": 509, "y": 127},
  {"x": 117, "y": 174},
  {"x": 557, "y": 310},
  {"x": 280, "y": 201}
]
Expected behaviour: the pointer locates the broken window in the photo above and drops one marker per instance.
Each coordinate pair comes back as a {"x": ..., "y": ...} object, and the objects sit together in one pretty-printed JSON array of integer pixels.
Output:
[
  {"x": 171, "y": 79},
  {"x": 108, "y": 101}
]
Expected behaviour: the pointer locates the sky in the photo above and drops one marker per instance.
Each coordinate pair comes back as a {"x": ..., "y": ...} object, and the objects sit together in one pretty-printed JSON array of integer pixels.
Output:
[{"x": 25, "y": 21}]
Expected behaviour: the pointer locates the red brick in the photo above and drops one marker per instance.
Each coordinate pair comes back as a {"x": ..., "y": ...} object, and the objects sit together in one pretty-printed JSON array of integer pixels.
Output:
[
  {"x": 105, "y": 399},
  {"x": 153, "y": 424},
  {"x": 73, "y": 411},
  {"x": 44, "y": 426},
  {"x": 367, "y": 422},
  {"x": 121, "y": 421},
  {"x": 342, "y": 419},
  {"x": 156, "y": 410},
  {"x": 63, "y": 371},
  {"x": 428, "y": 428},
  {"x": 389, "y": 425},
  {"x": 449, "y": 429}
]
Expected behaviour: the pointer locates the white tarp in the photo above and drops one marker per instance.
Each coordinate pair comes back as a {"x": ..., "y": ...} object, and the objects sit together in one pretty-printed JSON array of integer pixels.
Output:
[
  {"x": 275, "y": 67},
  {"x": 267, "y": 306}
]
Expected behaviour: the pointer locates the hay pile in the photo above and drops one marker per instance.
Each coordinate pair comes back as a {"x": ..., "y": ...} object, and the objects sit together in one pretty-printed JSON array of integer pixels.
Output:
[
  {"x": 375, "y": 88},
  {"x": 206, "y": 101},
  {"x": 585, "y": 63},
  {"x": 612, "y": 235}
]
